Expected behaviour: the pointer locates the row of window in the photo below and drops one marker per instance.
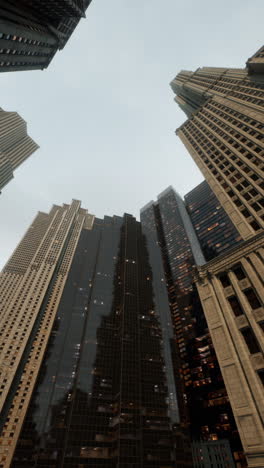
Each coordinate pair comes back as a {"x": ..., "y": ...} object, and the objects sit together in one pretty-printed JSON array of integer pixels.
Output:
[
  {"x": 237, "y": 308},
  {"x": 23, "y": 40},
  {"x": 210, "y": 146}
]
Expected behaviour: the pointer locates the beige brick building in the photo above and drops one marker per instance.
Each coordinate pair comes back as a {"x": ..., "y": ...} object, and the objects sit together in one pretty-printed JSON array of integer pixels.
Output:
[
  {"x": 38, "y": 268},
  {"x": 224, "y": 134},
  {"x": 15, "y": 145}
]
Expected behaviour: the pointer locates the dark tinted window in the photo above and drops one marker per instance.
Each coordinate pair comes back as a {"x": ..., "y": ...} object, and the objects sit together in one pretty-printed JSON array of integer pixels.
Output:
[
  {"x": 224, "y": 280},
  {"x": 252, "y": 298},
  {"x": 261, "y": 375},
  {"x": 250, "y": 340},
  {"x": 239, "y": 272},
  {"x": 235, "y": 304}
]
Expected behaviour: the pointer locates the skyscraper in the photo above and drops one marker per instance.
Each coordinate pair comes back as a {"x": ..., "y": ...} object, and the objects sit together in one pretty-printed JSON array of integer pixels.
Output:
[
  {"x": 86, "y": 345},
  {"x": 15, "y": 145},
  {"x": 224, "y": 135},
  {"x": 32, "y": 32},
  {"x": 206, "y": 408}
]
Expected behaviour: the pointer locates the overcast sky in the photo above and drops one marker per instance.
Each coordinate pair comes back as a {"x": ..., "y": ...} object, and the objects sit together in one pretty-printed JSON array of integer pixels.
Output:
[{"x": 103, "y": 112}]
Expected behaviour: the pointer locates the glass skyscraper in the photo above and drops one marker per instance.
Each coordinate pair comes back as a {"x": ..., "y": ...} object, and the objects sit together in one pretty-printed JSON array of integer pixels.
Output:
[{"x": 204, "y": 403}]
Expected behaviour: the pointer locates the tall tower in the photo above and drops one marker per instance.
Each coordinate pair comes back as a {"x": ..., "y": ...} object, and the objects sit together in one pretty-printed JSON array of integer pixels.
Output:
[
  {"x": 87, "y": 373},
  {"x": 15, "y": 145},
  {"x": 204, "y": 403},
  {"x": 32, "y": 32},
  {"x": 224, "y": 135}
]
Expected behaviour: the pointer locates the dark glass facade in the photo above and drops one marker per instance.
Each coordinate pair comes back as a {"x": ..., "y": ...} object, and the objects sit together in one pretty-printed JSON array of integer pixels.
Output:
[
  {"x": 215, "y": 231},
  {"x": 212, "y": 454},
  {"x": 32, "y": 32},
  {"x": 204, "y": 402},
  {"x": 106, "y": 394},
  {"x": 181, "y": 250}
]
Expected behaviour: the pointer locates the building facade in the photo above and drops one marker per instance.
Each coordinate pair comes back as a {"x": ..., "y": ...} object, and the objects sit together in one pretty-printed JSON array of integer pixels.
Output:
[
  {"x": 224, "y": 135},
  {"x": 32, "y": 32},
  {"x": 213, "y": 454},
  {"x": 212, "y": 225},
  {"x": 87, "y": 373},
  {"x": 255, "y": 64},
  {"x": 205, "y": 404},
  {"x": 231, "y": 291},
  {"x": 15, "y": 145}
]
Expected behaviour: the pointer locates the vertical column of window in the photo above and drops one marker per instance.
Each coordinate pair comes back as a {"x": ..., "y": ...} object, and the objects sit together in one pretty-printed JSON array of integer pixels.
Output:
[
  {"x": 248, "y": 296},
  {"x": 220, "y": 172}
]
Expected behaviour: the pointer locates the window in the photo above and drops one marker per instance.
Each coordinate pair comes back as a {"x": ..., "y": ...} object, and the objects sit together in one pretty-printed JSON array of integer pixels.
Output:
[
  {"x": 236, "y": 307},
  {"x": 239, "y": 272},
  {"x": 250, "y": 340},
  {"x": 224, "y": 280},
  {"x": 252, "y": 298},
  {"x": 261, "y": 375},
  {"x": 255, "y": 225},
  {"x": 256, "y": 207},
  {"x": 237, "y": 202},
  {"x": 245, "y": 213}
]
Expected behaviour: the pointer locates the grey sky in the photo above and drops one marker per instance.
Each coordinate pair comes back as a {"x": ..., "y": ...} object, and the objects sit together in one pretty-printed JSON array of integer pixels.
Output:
[{"x": 103, "y": 112}]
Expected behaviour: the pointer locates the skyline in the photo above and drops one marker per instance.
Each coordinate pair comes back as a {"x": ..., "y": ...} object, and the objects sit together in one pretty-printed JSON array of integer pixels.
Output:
[
  {"x": 118, "y": 103},
  {"x": 132, "y": 329}
]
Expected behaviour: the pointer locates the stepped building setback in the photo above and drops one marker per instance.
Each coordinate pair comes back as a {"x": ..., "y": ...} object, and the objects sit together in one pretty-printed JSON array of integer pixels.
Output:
[
  {"x": 15, "y": 145},
  {"x": 224, "y": 134},
  {"x": 31, "y": 32}
]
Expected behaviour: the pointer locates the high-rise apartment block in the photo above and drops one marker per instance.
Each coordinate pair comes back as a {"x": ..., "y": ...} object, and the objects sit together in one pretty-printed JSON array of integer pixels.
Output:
[
  {"x": 224, "y": 134},
  {"x": 32, "y": 32},
  {"x": 15, "y": 145},
  {"x": 86, "y": 372},
  {"x": 204, "y": 402}
]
